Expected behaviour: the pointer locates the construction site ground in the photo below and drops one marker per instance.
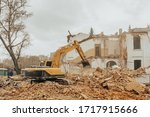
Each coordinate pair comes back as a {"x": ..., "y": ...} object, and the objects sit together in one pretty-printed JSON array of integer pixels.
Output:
[{"x": 89, "y": 84}]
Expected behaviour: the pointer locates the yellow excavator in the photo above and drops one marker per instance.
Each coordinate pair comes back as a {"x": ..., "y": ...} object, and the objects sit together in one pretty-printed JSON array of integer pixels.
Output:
[{"x": 51, "y": 69}]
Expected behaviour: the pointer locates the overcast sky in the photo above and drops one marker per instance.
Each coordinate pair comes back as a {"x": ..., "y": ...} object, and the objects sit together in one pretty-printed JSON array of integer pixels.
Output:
[{"x": 53, "y": 18}]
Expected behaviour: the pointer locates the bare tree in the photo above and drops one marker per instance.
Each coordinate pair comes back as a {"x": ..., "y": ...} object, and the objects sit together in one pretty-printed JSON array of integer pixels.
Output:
[{"x": 12, "y": 28}]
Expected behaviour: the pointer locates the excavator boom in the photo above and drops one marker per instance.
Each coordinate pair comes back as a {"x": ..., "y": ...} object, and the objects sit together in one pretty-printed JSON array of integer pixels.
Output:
[{"x": 60, "y": 52}]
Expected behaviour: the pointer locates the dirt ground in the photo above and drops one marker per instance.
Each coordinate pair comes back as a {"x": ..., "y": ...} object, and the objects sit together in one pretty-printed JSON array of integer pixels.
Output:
[{"x": 99, "y": 84}]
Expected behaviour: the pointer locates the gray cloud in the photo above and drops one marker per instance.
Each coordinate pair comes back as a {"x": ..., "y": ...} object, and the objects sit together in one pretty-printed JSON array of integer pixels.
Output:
[{"x": 53, "y": 18}]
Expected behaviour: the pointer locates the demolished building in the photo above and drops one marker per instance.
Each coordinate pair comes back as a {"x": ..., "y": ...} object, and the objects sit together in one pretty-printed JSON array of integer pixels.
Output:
[
  {"x": 124, "y": 49},
  {"x": 97, "y": 50}
]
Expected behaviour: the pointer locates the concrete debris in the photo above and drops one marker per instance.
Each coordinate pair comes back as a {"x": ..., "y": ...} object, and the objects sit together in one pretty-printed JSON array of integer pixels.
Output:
[
  {"x": 117, "y": 79},
  {"x": 7, "y": 82},
  {"x": 90, "y": 84},
  {"x": 134, "y": 86},
  {"x": 83, "y": 96}
]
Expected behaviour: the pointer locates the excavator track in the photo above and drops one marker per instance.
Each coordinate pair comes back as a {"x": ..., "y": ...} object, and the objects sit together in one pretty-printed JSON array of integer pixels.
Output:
[{"x": 56, "y": 80}]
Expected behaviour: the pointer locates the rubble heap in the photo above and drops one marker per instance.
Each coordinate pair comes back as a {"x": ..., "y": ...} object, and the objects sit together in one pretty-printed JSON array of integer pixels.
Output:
[
  {"x": 114, "y": 79},
  {"x": 89, "y": 84}
]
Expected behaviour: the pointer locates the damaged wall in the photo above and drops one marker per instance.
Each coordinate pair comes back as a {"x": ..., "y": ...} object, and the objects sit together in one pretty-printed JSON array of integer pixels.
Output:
[
  {"x": 138, "y": 52},
  {"x": 101, "y": 51}
]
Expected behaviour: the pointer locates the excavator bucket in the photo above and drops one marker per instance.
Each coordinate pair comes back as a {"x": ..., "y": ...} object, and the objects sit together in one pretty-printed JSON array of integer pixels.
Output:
[{"x": 85, "y": 64}]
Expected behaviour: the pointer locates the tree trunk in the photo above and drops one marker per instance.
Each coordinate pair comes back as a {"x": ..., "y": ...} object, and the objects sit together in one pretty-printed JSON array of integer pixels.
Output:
[
  {"x": 12, "y": 55},
  {"x": 15, "y": 62},
  {"x": 16, "y": 66}
]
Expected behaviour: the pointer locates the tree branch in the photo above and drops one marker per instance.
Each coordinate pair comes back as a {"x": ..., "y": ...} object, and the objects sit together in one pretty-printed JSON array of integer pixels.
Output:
[
  {"x": 5, "y": 45},
  {"x": 3, "y": 26}
]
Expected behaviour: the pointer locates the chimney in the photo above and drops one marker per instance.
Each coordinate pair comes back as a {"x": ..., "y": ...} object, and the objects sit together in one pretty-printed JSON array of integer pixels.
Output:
[
  {"x": 120, "y": 31},
  {"x": 129, "y": 28},
  {"x": 116, "y": 34},
  {"x": 102, "y": 33}
]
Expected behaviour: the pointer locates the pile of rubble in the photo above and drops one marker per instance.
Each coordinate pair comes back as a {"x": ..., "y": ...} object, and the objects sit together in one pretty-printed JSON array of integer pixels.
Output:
[
  {"x": 115, "y": 79},
  {"x": 89, "y": 84}
]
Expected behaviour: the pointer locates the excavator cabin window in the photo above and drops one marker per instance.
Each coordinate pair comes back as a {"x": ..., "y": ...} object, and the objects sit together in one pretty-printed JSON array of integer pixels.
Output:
[{"x": 48, "y": 63}]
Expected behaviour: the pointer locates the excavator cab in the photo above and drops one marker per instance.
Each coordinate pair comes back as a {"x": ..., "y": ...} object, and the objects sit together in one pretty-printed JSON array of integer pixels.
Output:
[{"x": 46, "y": 63}]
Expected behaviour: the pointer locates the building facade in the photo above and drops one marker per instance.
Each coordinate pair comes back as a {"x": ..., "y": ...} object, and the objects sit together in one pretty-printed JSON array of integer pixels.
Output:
[
  {"x": 100, "y": 50},
  {"x": 129, "y": 49},
  {"x": 138, "y": 47}
]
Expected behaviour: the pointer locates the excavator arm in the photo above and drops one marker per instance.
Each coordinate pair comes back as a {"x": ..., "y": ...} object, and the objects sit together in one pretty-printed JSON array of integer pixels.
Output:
[{"x": 60, "y": 52}]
